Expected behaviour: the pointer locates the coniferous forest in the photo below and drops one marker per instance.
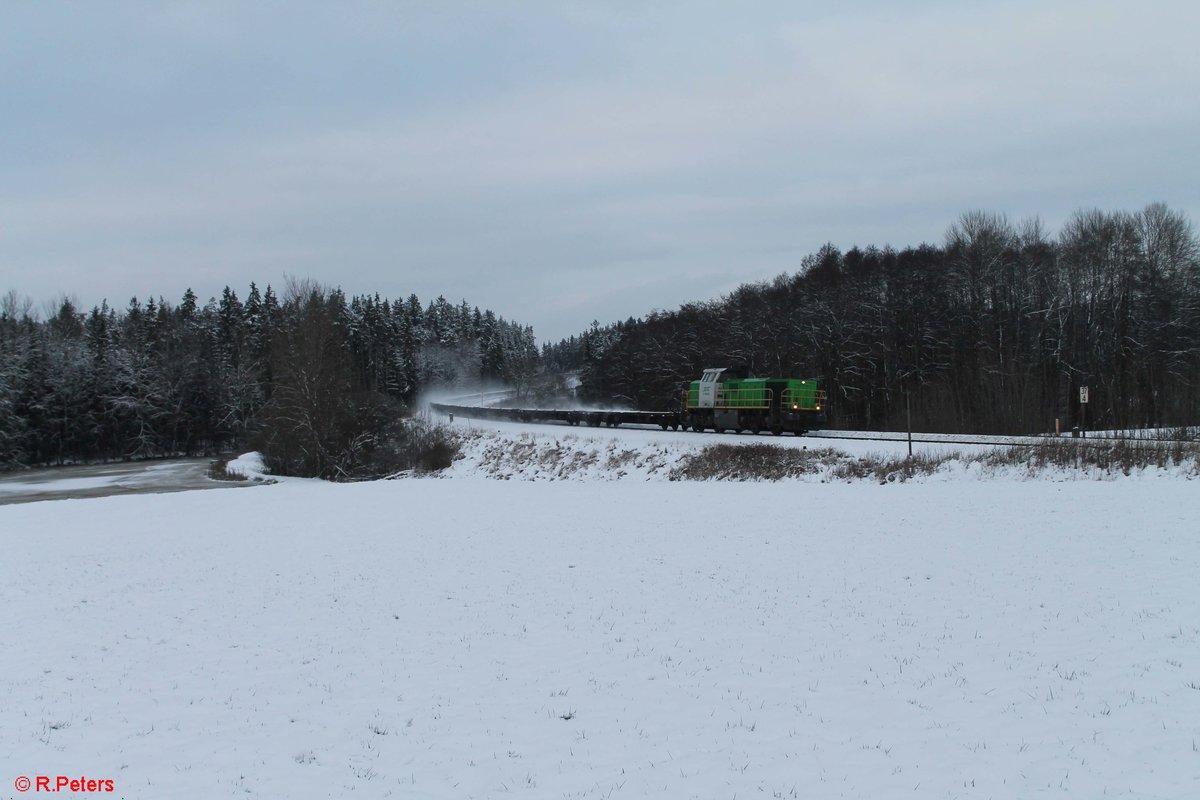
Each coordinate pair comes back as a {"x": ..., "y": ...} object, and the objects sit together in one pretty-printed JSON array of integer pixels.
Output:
[
  {"x": 315, "y": 379},
  {"x": 993, "y": 331}
]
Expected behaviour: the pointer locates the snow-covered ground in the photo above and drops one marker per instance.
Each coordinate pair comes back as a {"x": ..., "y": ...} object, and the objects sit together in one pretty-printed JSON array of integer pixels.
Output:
[
  {"x": 647, "y": 438},
  {"x": 469, "y": 637},
  {"x": 529, "y": 451}
]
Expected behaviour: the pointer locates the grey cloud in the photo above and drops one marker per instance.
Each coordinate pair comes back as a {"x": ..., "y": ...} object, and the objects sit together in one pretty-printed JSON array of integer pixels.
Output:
[{"x": 564, "y": 162}]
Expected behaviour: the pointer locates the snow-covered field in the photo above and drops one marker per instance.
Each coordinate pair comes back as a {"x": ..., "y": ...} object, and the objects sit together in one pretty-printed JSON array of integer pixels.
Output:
[{"x": 468, "y": 637}]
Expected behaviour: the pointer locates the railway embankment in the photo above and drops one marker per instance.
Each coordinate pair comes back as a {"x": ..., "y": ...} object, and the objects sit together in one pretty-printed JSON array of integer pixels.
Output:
[{"x": 545, "y": 454}]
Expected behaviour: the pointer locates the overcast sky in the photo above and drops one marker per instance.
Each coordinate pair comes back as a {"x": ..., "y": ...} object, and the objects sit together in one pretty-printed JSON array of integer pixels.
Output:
[{"x": 559, "y": 161}]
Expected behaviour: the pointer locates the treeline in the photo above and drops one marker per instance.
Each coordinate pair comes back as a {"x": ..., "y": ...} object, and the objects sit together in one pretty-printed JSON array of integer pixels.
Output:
[
  {"x": 315, "y": 377},
  {"x": 993, "y": 331}
]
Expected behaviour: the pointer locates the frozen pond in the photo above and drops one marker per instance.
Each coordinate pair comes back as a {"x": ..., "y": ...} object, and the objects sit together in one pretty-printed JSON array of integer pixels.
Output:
[{"x": 101, "y": 480}]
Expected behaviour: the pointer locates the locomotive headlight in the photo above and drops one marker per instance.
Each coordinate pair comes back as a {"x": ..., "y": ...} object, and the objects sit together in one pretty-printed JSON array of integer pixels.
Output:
[
  {"x": 818, "y": 406},
  {"x": 795, "y": 406}
]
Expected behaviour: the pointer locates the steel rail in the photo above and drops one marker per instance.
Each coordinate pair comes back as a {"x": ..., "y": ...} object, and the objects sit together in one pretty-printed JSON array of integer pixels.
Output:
[{"x": 668, "y": 419}]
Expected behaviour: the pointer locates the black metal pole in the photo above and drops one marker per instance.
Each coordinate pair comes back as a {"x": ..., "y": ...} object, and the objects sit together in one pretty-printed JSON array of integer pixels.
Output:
[{"x": 908, "y": 418}]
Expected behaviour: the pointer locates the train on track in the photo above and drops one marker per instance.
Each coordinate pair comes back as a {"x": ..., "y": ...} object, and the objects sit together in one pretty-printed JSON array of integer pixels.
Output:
[{"x": 778, "y": 405}]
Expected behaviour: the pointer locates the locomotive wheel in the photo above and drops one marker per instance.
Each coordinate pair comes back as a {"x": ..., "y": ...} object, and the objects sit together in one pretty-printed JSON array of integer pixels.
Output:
[{"x": 777, "y": 431}]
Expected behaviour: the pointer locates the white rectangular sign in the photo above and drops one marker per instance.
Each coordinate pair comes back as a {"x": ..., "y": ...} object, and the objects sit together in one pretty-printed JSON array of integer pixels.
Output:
[{"x": 1083, "y": 394}]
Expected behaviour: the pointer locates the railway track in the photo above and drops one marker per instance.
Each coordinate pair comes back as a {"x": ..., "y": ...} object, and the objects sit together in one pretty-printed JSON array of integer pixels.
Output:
[
  {"x": 667, "y": 420},
  {"x": 918, "y": 438}
]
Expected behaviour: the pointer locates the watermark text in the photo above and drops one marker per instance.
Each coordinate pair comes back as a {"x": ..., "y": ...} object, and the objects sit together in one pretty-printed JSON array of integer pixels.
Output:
[{"x": 64, "y": 783}]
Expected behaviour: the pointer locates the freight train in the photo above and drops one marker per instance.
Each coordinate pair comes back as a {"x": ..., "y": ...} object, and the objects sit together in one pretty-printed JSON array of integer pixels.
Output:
[{"x": 754, "y": 405}]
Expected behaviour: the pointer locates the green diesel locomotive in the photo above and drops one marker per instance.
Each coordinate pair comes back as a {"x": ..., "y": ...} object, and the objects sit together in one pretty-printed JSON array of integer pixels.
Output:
[{"x": 752, "y": 404}]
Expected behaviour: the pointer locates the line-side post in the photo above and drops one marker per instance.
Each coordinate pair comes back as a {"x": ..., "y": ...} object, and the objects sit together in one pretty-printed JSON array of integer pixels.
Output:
[{"x": 908, "y": 419}]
